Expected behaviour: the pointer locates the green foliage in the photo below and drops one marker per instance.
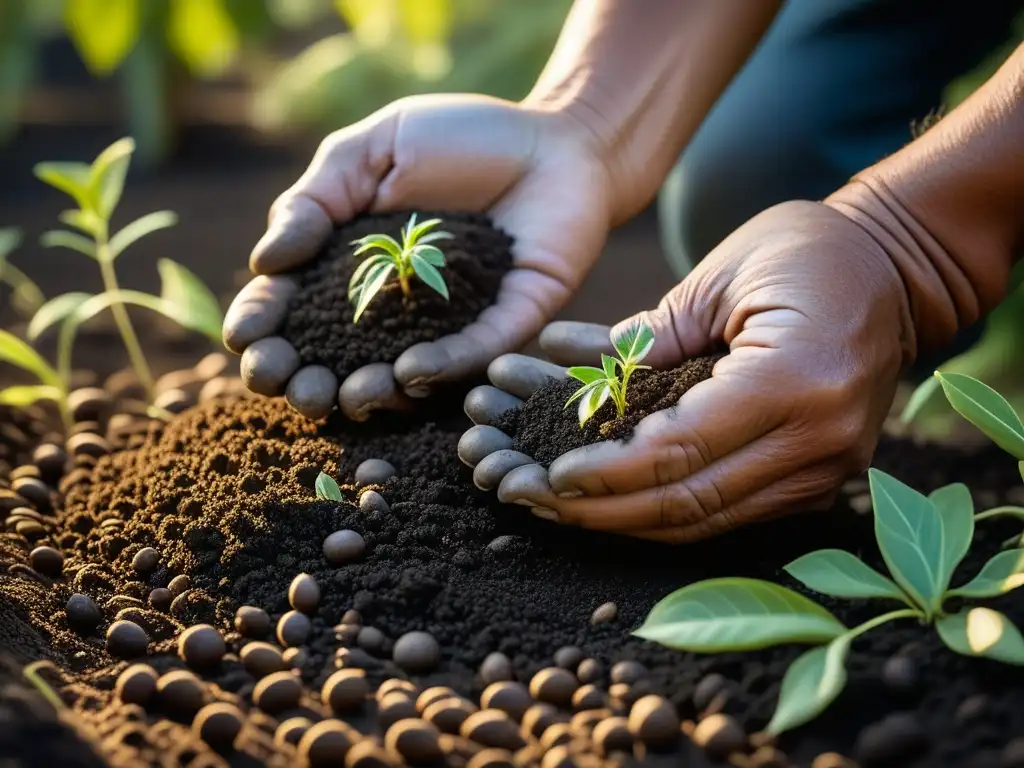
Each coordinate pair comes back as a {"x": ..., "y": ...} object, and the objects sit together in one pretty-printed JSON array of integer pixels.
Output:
[
  {"x": 922, "y": 539},
  {"x": 611, "y": 380},
  {"x": 26, "y": 298},
  {"x": 327, "y": 488},
  {"x": 413, "y": 256},
  {"x": 986, "y": 409}
]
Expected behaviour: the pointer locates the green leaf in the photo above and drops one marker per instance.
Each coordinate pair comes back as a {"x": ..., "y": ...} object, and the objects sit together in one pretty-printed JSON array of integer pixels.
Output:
[
  {"x": 188, "y": 301},
  {"x": 583, "y": 391},
  {"x": 60, "y": 238},
  {"x": 362, "y": 269},
  {"x": 16, "y": 352},
  {"x": 1001, "y": 574},
  {"x": 203, "y": 35},
  {"x": 837, "y": 573},
  {"x": 54, "y": 311},
  {"x": 413, "y": 231},
  {"x": 634, "y": 342},
  {"x": 593, "y": 400},
  {"x": 986, "y": 409},
  {"x": 982, "y": 632},
  {"x": 407, "y": 228},
  {"x": 428, "y": 273},
  {"x": 87, "y": 221},
  {"x": 911, "y": 535},
  {"x": 70, "y": 178},
  {"x": 385, "y": 243},
  {"x": 433, "y": 237},
  {"x": 108, "y": 173},
  {"x": 585, "y": 373},
  {"x": 142, "y": 226},
  {"x": 23, "y": 395},
  {"x": 327, "y": 488},
  {"x": 374, "y": 281},
  {"x": 737, "y": 614},
  {"x": 610, "y": 366},
  {"x": 430, "y": 254},
  {"x": 811, "y": 683},
  {"x": 956, "y": 508},
  {"x": 103, "y": 31},
  {"x": 10, "y": 238},
  {"x": 920, "y": 397}
]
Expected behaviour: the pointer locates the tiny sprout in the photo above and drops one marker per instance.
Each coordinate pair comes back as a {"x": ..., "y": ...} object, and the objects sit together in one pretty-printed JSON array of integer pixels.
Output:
[
  {"x": 414, "y": 255},
  {"x": 632, "y": 345},
  {"x": 327, "y": 488}
]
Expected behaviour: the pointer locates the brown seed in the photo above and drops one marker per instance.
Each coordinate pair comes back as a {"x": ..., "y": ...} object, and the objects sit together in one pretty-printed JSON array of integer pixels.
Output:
[
  {"x": 277, "y": 692},
  {"x": 590, "y": 671},
  {"x": 371, "y": 501},
  {"x": 304, "y": 594},
  {"x": 554, "y": 735},
  {"x": 538, "y": 718},
  {"x": 181, "y": 691},
  {"x": 47, "y": 561},
  {"x": 496, "y": 667},
  {"x": 719, "y": 735},
  {"x": 448, "y": 715},
  {"x": 295, "y": 658},
  {"x": 83, "y": 614},
  {"x": 160, "y": 599},
  {"x": 179, "y": 585},
  {"x": 582, "y": 723},
  {"x": 394, "y": 706},
  {"x": 393, "y": 684},
  {"x": 568, "y": 657},
  {"x": 145, "y": 561},
  {"x": 370, "y": 639},
  {"x": 414, "y": 741},
  {"x": 293, "y": 628},
  {"x": 218, "y": 724},
  {"x": 832, "y": 760},
  {"x": 367, "y": 754},
  {"x": 126, "y": 639},
  {"x": 50, "y": 458},
  {"x": 345, "y": 690},
  {"x": 253, "y": 622},
  {"x": 347, "y": 634},
  {"x": 554, "y": 685},
  {"x": 87, "y": 444},
  {"x": 604, "y": 613},
  {"x": 137, "y": 684},
  {"x": 343, "y": 547},
  {"x": 262, "y": 659},
  {"x": 352, "y": 616},
  {"x": 612, "y": 735},
  {"x": 653, "y": 720},
  {"x": 291, "y": 730},
  {"x": 458, "y": 749},
  {"x": 628, "y": 672},
  {"x": 492, "y": 758},
  {"x": 326, "y": 743},
  {"x": 492, "y": 728},
  {"x": 559, "y": 757},
  {"x": 511, "y": 698},
  {"x": 430, "y": 695},
  {"x": 417, "y": 652},
  {"x": 375, "y": 472},
  {"x": 201, "y": 646},
  {"x": 588, "y": 697}
]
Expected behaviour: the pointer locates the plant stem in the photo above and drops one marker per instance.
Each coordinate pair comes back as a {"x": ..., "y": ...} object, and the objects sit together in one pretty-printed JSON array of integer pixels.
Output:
[
  {"x": 997, "y": 511},
  {"x": 403, "y": 281},
  {"x": 903, "y": 613},
  {"x": 31, "y": 673},
  {"x": 124, "y": 324}
]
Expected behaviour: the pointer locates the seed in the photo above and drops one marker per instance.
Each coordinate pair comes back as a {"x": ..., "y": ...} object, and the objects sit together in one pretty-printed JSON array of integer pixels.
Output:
[
  {"x": 394, "y": 706},
  {"x": 492, "y": 758},
  {"x": 417, "y": 651},
  {"x": 582, "y": 723},
  {"x": 126, "y": 639},
  {"x": 900, "y": 675},
  {"x": 293, "y": 628},
  {"x": 604, "y": 613},
  {"x": 554, "y": 685},
  {"x": 326, "y": 743},
  {"x": 588, "y": 697},
  {"x": 590, "y": 671},
  {"x": 47, "y": 561},
  {"x": 559, "y": 757},
  {"x": 448, "y": 715},
  {"x": 88, "y": 403},
  {"x": 277, "y": 692},
  {"x": 304, "y": 594},
  {"x": 261, "y": 659},
  {"x": 375, "y": 472},
  {"x": 538, "y": 718},
  {"x": 354, "y": 658},
  {"x": 718, "y": 735},
  {"x": 413, "y": 740},
  {"x": 370, "y": 639},
  {"x": 367, "y": 754},
  {"x": 344, "y": 546},
  {"x": 393, "y": 684},
  {"x": 145, "y": 561},
  {"x": 160, "y": 599},
  {"x": 628, "y": 672},
  {"x": 496, "y": 667},
  {"x": 553, "y": 736},
  {"x": 707, "y": 689},
  {"x": 511, "y": 698},
  {"x": 352, "y": 616},
  {"x": 251, "y": 621},
  {"x": 371, "y": 501},
  {"x": 612, "y": 735},
  {"x": 83, "y": 614},
  {"x": 201, "y": 646},
  {"x": 568, "y": 657},
  {"x": 437, "y": 693},
  {"x": 347, "y": 635},
  {"x": 295, "y": 658},
  {"x": 291, "y": 730},
  {"x": 653, "y": 720},
  {"x": 180, "y": 585},
  {"x": 218, "y": 724},
  {"x": 136, "y": 685},
  {"x": 492, "y": 728},
  {"x": 835, "y": 760},
  {"x": 182, "y": 691},
  {"x": 50, "y": 458},
  {"x": 87, "y": 444},
  {"x": 345, "y": 690}
]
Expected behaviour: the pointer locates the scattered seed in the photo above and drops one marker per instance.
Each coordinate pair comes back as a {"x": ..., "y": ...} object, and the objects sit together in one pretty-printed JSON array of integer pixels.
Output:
[
  {"x": 291, "y": 730},
  {"x": 47, "y": 561},
  {"x": 653, "y": 720},
  {"x": 555, "y": 735},
  {"x": 554, "y": 685},
  {"x": 180, "y": 585},
  {"x": 160, "y": 599},
  {"x": 492, "y": 758},
  {"x": 375, "y": 472},
  {"x": 590, "y": 671},
  {"x": 347, "y": 635},
  {"x": 261, "y": 659},
  {"x": 181, "y": 691},
  {"x": 582, "y": 723},
  {"x": 35, "y": 490},
  {"x": 894, "y": 739},
  {"x": 304, "y": 594},
  {"x": 505, "y": 543},
  {"x": 345, "y": 690},
  {"x": 496, "y": 667},
  {"x": 87, "y": 444},
  {"x": 604, "y": 613},
  {"x": 83, "y": 614},
  {"x": 510, "y": 697},
  {"x": 448, "y": 715},
  {"x": 719, "y": 735},
  {"x": 201, "y": 646},
  {"x": 295, "y": 658},
  {"x": 251, "y": 621},
  {"x": 538, "y": 718},
  {"x": 126, "y": 639},
  {"x": 628, "y": 672},
  {"x": 352, "y": 616},
  {"x": 707, "y": 689},
  {"x": 568, "y": 657},
  {"x": 901, "y": 676},
  {"x": 394, "y": 706},
  {"x": 835, "y": 760},
  {"x": 218, "y": 724},
  {"x": 136, "y": 685},
  {"x": 437, "y": 693},
  {"x": 414, "y": 741},
  {"x": 588, "y": 697},
  {"x": 145, "y": 561},
  {"x": 293, "y": 628},
  {"x": 367, "y": 754},
  {"x": 354, "y": 658},
  {"x": 343, "y": 547},
  {"x": 326, "y": 743},
  {"x": 371, "y": 501},
  {"x": 277, "y": 692},
  {"x": 492, "y": 728},
  {"x": 50, "y": 459},
  {"x": 397, "y": 684},
  {"x": 370, "y": 639},
  {"x": 417, "y": 651},
  {"x": 612, "y": 735}
]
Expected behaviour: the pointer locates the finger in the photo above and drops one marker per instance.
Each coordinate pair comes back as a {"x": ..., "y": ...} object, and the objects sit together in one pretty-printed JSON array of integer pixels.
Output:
[
  {"x": 567, "y": 342},
  {"x": 257, "y": 311},
  {"x": 481, "y": 441},
  {"x": 494, "y": 467},
  {"x": 298, "y": 227},
  {"x": 268, "y": 364},
  {"x": 371, "y": 388},
  {"x": 484, "y": 404},
  {"x": 521, "y": 375},
  {"x": 312, "y": 391},
  {"x": 528, "y": 486}
]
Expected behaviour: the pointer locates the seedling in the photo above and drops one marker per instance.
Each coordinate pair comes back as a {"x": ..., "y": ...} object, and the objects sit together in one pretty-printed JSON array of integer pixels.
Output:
[
  {"x": 326, "y": 488},
  {"x": 922, "y": 540},
  {"x": 414, "y": 256},
  {"x": 612, "y": 378},
  {"x": 26, "y": 298}
]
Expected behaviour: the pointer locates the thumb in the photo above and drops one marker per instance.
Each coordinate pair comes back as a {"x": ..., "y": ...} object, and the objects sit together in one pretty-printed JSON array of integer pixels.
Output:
[{"x": 679, "y": 329}]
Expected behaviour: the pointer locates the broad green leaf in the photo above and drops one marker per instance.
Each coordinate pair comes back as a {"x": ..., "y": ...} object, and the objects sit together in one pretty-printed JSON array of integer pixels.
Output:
[
  {"x": 70, "y": 178},
  {"x": 1001, "y": 574},
  {"x": 584, "y": 391},
  {"x": 417, "y": 231},
  {"x": 374, "y": 281},
  {"x": 54, "y": 311},
  {"x": 737, "y": 614},
  {"x": 593, "y": 400},
  {"x": 1020, "y": 466},
  {"x": 811, "y": 683},
  {"x": 921, "y": 396},
  {"x": 986, "y": 409},
  {"x": 982, "y": 632},
  {"x": 362, "y": 269},
  {"x": 327, "y": 488},
  {"x": 385, "y": 243},
  {"x": 10, "y": 238},
  {"x": 433, "y": 237},
  {"x": 585, "y": 373},
  {"x": 16, "y": 352},
  {"x": 87, "y": 221},
  {"x": 142, "y": 226},
  {"x": 911, "y": 535},
  {"x": 430, "y": 254},
  {"x": 27, "y": 394},
  {"x": 837, "y": 573},
  {"x": 610, "y": 366},
  {"x": 109, "y": 170},
  {"x": 956, "y": 508},
  {"x": 60, "y": 238},
  {"x": 203, "y": 35},
  {"x": 188, "y": 301},
  {"x": 428, "y": 273},
  {"x": 634, "y": 342},
  {"x": 103, "y": 31}
]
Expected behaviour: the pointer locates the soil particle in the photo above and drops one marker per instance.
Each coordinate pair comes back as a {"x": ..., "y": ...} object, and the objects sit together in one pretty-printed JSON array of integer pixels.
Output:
[{"x": 319, "y": 321}]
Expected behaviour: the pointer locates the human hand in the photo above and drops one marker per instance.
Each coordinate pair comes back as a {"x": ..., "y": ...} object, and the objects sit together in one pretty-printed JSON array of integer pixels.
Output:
[
  {"x": 816, "y": 318},
  {"x": 533, "y": 172}
]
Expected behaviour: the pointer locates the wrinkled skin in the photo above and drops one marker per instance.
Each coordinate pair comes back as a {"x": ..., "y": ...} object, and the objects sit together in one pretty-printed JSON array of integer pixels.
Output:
[
  {"x": 815, "y": 316},
  {"x": 533, "y": 172}
]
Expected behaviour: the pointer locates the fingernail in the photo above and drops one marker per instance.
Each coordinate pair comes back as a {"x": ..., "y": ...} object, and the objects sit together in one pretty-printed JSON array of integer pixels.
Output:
[
  {"x": 545, "y": 514},
  {"x": 418, "y": 392},
  {"x": 570, "y": 494},
  {"x": 522, "y": 502}
]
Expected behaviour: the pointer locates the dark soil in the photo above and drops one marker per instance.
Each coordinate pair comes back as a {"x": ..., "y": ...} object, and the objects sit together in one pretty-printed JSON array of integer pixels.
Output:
[
  {"x": 545, "y": 429},
  {"x": 319, "y": 322}
]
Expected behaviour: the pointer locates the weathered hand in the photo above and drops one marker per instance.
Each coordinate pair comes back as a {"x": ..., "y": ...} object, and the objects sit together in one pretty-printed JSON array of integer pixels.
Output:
[
  {"x": 816, "y": 318},
  {"x": 533, "y": 172}
]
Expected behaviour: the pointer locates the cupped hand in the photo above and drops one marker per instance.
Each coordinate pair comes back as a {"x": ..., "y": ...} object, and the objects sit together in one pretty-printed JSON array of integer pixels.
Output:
[
  {"x": 816, "y": 319},
  {"x": 533, "y": 172}
]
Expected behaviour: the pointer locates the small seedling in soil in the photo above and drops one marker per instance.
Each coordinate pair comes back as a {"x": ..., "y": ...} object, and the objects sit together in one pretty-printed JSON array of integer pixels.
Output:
[
  {"x": 413, "y": 256},
  {"x": 26, "y": 298},
  {"x": 922, "y": 540},
  {"x": 327, "y": 488},
  {"x": 611, "y": 380}
]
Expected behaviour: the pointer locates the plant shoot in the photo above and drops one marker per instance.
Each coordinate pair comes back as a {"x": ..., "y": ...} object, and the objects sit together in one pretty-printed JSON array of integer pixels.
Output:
[
  {"x": 611, "y": 380},
  {"x": 26, "y": 298},
  {"x": 326, "y": 488}
]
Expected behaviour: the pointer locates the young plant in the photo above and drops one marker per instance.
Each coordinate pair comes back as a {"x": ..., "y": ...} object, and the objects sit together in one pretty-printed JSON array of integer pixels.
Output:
[
  {"x": 612, "y": 378},
  {"x": 26, "y": 298},
  {"x": 414, "y": 256},
  {"x": 327, "y": 488},
  {"x": 922, "y": 540}
]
